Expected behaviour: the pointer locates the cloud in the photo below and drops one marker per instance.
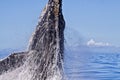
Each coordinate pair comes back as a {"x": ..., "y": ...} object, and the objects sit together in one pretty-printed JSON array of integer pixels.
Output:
[{"x": 92, "y": 42}]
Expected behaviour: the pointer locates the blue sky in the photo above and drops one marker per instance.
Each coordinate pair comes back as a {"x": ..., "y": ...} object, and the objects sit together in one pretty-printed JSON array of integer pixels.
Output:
[{"x": 91, "y": 19}]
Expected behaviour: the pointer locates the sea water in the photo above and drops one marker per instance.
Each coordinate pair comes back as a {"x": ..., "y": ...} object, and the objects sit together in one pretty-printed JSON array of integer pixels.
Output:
[{"x": 92, "y": 66}]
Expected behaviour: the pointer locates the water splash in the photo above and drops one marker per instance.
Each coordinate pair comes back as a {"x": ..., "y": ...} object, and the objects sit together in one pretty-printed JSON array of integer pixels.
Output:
[{"x": 44, "y": 60}]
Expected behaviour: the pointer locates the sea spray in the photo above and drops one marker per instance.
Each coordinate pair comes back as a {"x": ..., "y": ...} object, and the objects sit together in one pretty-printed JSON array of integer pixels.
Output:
[{"x": 48, "y": 44}]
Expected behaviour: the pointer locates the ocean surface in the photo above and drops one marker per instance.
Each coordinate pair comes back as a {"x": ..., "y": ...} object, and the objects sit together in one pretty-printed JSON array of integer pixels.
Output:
[
  {"x": 80, "y": 65},
  {"x": 92, "y": 66}
]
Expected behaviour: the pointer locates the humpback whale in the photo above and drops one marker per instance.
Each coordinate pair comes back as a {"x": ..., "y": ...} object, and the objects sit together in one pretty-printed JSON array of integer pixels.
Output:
[{"x": 45, "y": 55}]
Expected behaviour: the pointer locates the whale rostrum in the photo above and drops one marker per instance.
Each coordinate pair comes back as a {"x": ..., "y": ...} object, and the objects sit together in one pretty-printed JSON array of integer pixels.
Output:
[{"x": 45, "y": 55}]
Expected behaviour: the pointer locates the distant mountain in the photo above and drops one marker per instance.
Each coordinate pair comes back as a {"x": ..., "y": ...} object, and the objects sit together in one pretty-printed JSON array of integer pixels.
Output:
[
  {"x": 6, "y": 52},
  {"x": 93, "y": 49},
  {"x": 44, "y": 58},
  {"x": 92, "y": 46}
]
